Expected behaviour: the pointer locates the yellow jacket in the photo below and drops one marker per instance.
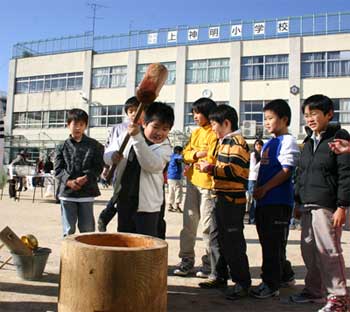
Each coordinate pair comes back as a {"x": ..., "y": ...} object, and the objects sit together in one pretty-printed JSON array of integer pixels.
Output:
[{"x": 202, "y": 139}]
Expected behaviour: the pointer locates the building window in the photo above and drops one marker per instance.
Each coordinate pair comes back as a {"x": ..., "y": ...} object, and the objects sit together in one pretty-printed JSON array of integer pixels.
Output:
[
  {"x": 252, "y": 110},
  {"x": 264, "y": 67},
  {"x": 205, "y": 71},
  {"x": 56, "y": 82},
  {"x": 106, "y": 116},
  {"x": 19, "y": 120},
  {"x": 188, "y": 120},
  {"x": 48, "y": 119},
  {"x": 342, "y": 110},
  {"x": 109, "y": 77},
  {"x": 325, "y": 64},
  {"x": 171, "y": 66},
  {"x": 55, "y": 119},
  {"x": 34, "y": 119}
]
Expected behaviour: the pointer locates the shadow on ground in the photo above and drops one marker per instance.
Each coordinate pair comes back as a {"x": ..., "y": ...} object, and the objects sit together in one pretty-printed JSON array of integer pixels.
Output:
[
  {"x": 184, "y": 298},
  {"x": 26, "y": 306}
]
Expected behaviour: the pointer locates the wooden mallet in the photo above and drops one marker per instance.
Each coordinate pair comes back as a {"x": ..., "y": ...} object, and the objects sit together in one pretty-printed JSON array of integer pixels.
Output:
[{"x": 146, "y": 92}]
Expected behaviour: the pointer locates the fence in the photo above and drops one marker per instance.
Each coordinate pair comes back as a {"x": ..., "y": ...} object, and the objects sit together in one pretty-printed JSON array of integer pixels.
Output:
[{"x": 309, "y": 25}]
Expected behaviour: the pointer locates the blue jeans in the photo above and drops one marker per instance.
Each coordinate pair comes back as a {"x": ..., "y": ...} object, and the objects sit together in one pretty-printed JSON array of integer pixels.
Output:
[{"x": 75, "y": 211}]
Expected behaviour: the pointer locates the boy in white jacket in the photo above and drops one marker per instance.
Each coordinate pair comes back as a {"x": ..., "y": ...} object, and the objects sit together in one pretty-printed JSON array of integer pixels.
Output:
[{"x": 139, "y": 175}]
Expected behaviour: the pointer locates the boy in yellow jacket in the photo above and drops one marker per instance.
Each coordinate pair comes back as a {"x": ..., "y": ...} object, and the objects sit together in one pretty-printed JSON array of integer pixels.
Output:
[{"x": 198, "y": 202}]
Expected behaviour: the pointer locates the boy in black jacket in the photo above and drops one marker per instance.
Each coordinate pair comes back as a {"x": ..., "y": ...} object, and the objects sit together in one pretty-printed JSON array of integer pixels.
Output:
[
  {"x": 323, "y": 191},
  {"x": 78, "y": 164}
]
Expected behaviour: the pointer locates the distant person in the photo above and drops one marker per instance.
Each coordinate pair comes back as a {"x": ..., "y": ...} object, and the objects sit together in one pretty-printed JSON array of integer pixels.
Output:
[
  {"x": 323, "y": 193},
  {"x": 274, "y": 195},
  {"x": 48, "y": 165},
  {"x": 130, "y": 108},
  {"x": 175, "y": 180},
  {"x": 20, "y": 160},
  {"x": 78, "y": 164},
  {"x": 254, "y": 166},
  {"x": 139, "y": 180}
]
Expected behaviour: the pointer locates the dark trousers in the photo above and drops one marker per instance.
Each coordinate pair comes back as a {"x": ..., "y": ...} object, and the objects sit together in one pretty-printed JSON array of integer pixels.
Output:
[
  {"x": 138, "y": 222},
  {"x": 272, "y": 223},
  {"x": 109, "y": 212},
  {"x": 232, "y": 248},
  {"x": 161, "y": 221}
]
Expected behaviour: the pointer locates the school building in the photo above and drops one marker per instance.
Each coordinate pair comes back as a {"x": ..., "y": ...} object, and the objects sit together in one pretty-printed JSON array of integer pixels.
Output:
[{"x": 242, "y": 63}]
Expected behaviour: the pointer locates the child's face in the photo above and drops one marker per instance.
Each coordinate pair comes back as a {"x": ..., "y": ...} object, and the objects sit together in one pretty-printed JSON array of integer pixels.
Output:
[
  {"x": 77, "y": 129},
  {"x": 131, "y": 112},
  {"x": 258, "y": 146},
  {"x": 274, "y": 124},
  {"x": 221, "y": 129},
  {"x": 156, "y": 132},
  {"x": 200, "y": 119},
  {"x": 316, "y": 119}
]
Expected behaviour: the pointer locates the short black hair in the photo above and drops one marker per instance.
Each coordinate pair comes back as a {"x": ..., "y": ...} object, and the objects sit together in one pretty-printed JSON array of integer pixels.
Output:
[
  {"x": 222, "y": 112},
  {"x": 178, "y": 149},
  {"x": 159, "y": 111},
  {"x": 131, "y": 102},
  {"x": 77, "y": 114},
  {"x": 280, "y": 108},
  {"x": 204, "y": 106},
  {"x": 320, "y": 102}
]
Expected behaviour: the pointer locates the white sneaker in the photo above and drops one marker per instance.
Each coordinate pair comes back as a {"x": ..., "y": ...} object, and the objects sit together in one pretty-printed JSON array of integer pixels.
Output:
[{"x": 202, "y": 274}]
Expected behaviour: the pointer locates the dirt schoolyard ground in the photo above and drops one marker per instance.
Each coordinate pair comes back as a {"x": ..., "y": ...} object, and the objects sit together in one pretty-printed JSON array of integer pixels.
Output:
[{"x": 42, "y": 218}]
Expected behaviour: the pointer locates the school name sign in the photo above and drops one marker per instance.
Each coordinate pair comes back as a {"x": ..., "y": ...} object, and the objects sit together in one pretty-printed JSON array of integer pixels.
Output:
[{"x": 214, "y": 32}]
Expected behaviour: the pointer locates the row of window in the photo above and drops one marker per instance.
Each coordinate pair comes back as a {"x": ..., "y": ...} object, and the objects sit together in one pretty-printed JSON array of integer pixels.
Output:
[
  {"x": 57, "y": 82},
  {"x": 107, "y": 116},
  {"x": 320, "y": 64}
]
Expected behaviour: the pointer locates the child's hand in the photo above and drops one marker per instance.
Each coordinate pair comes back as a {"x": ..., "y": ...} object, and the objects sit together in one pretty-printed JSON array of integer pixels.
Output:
[
  {"x": 339, "y": 217},
  {"x": 73, "y": 184},
  {"x": 339, "y": 146},
  {"x": 133, "y": 129},
  {"x": 202, "y": 166},
  {"x": 116, "y": 157},
  {"x": 82, "y": 180},
  {"x": 201, "y": 154},
  {"x": 259, "y": 192}
]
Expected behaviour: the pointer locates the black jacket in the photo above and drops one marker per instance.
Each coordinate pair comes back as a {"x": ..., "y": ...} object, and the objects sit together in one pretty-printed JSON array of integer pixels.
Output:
[
  {"x": 76, "y": 159},
  {"x": 323, "y": 178}
]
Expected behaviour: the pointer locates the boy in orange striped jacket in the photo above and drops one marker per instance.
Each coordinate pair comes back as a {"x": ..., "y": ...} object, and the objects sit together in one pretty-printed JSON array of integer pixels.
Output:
[{"x": 230, "y": 173}]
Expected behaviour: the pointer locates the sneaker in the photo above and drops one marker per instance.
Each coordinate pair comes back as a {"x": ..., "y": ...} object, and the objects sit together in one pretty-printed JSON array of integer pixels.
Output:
[
  {"x": 288, "y": 283},
  {"x": 263, "y": 291},
  {"x": 101, "y": 226},
  {"x": 185, "y": 267},
  {"x": 335, "y": 304},
  {"x": 306, "y": 297},
  {"x": 213, "y": 283},
  {"x": 202, "y": 274},
  {"x": 236, "y": 292}
]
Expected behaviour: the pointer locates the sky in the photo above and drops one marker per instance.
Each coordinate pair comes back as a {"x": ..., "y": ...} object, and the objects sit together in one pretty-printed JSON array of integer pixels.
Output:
[{"x": 37, "y": 19}]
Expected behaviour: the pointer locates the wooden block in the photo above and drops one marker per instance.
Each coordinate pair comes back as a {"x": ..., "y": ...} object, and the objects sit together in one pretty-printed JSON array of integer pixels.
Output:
[{"x": 13, "y": 242}]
